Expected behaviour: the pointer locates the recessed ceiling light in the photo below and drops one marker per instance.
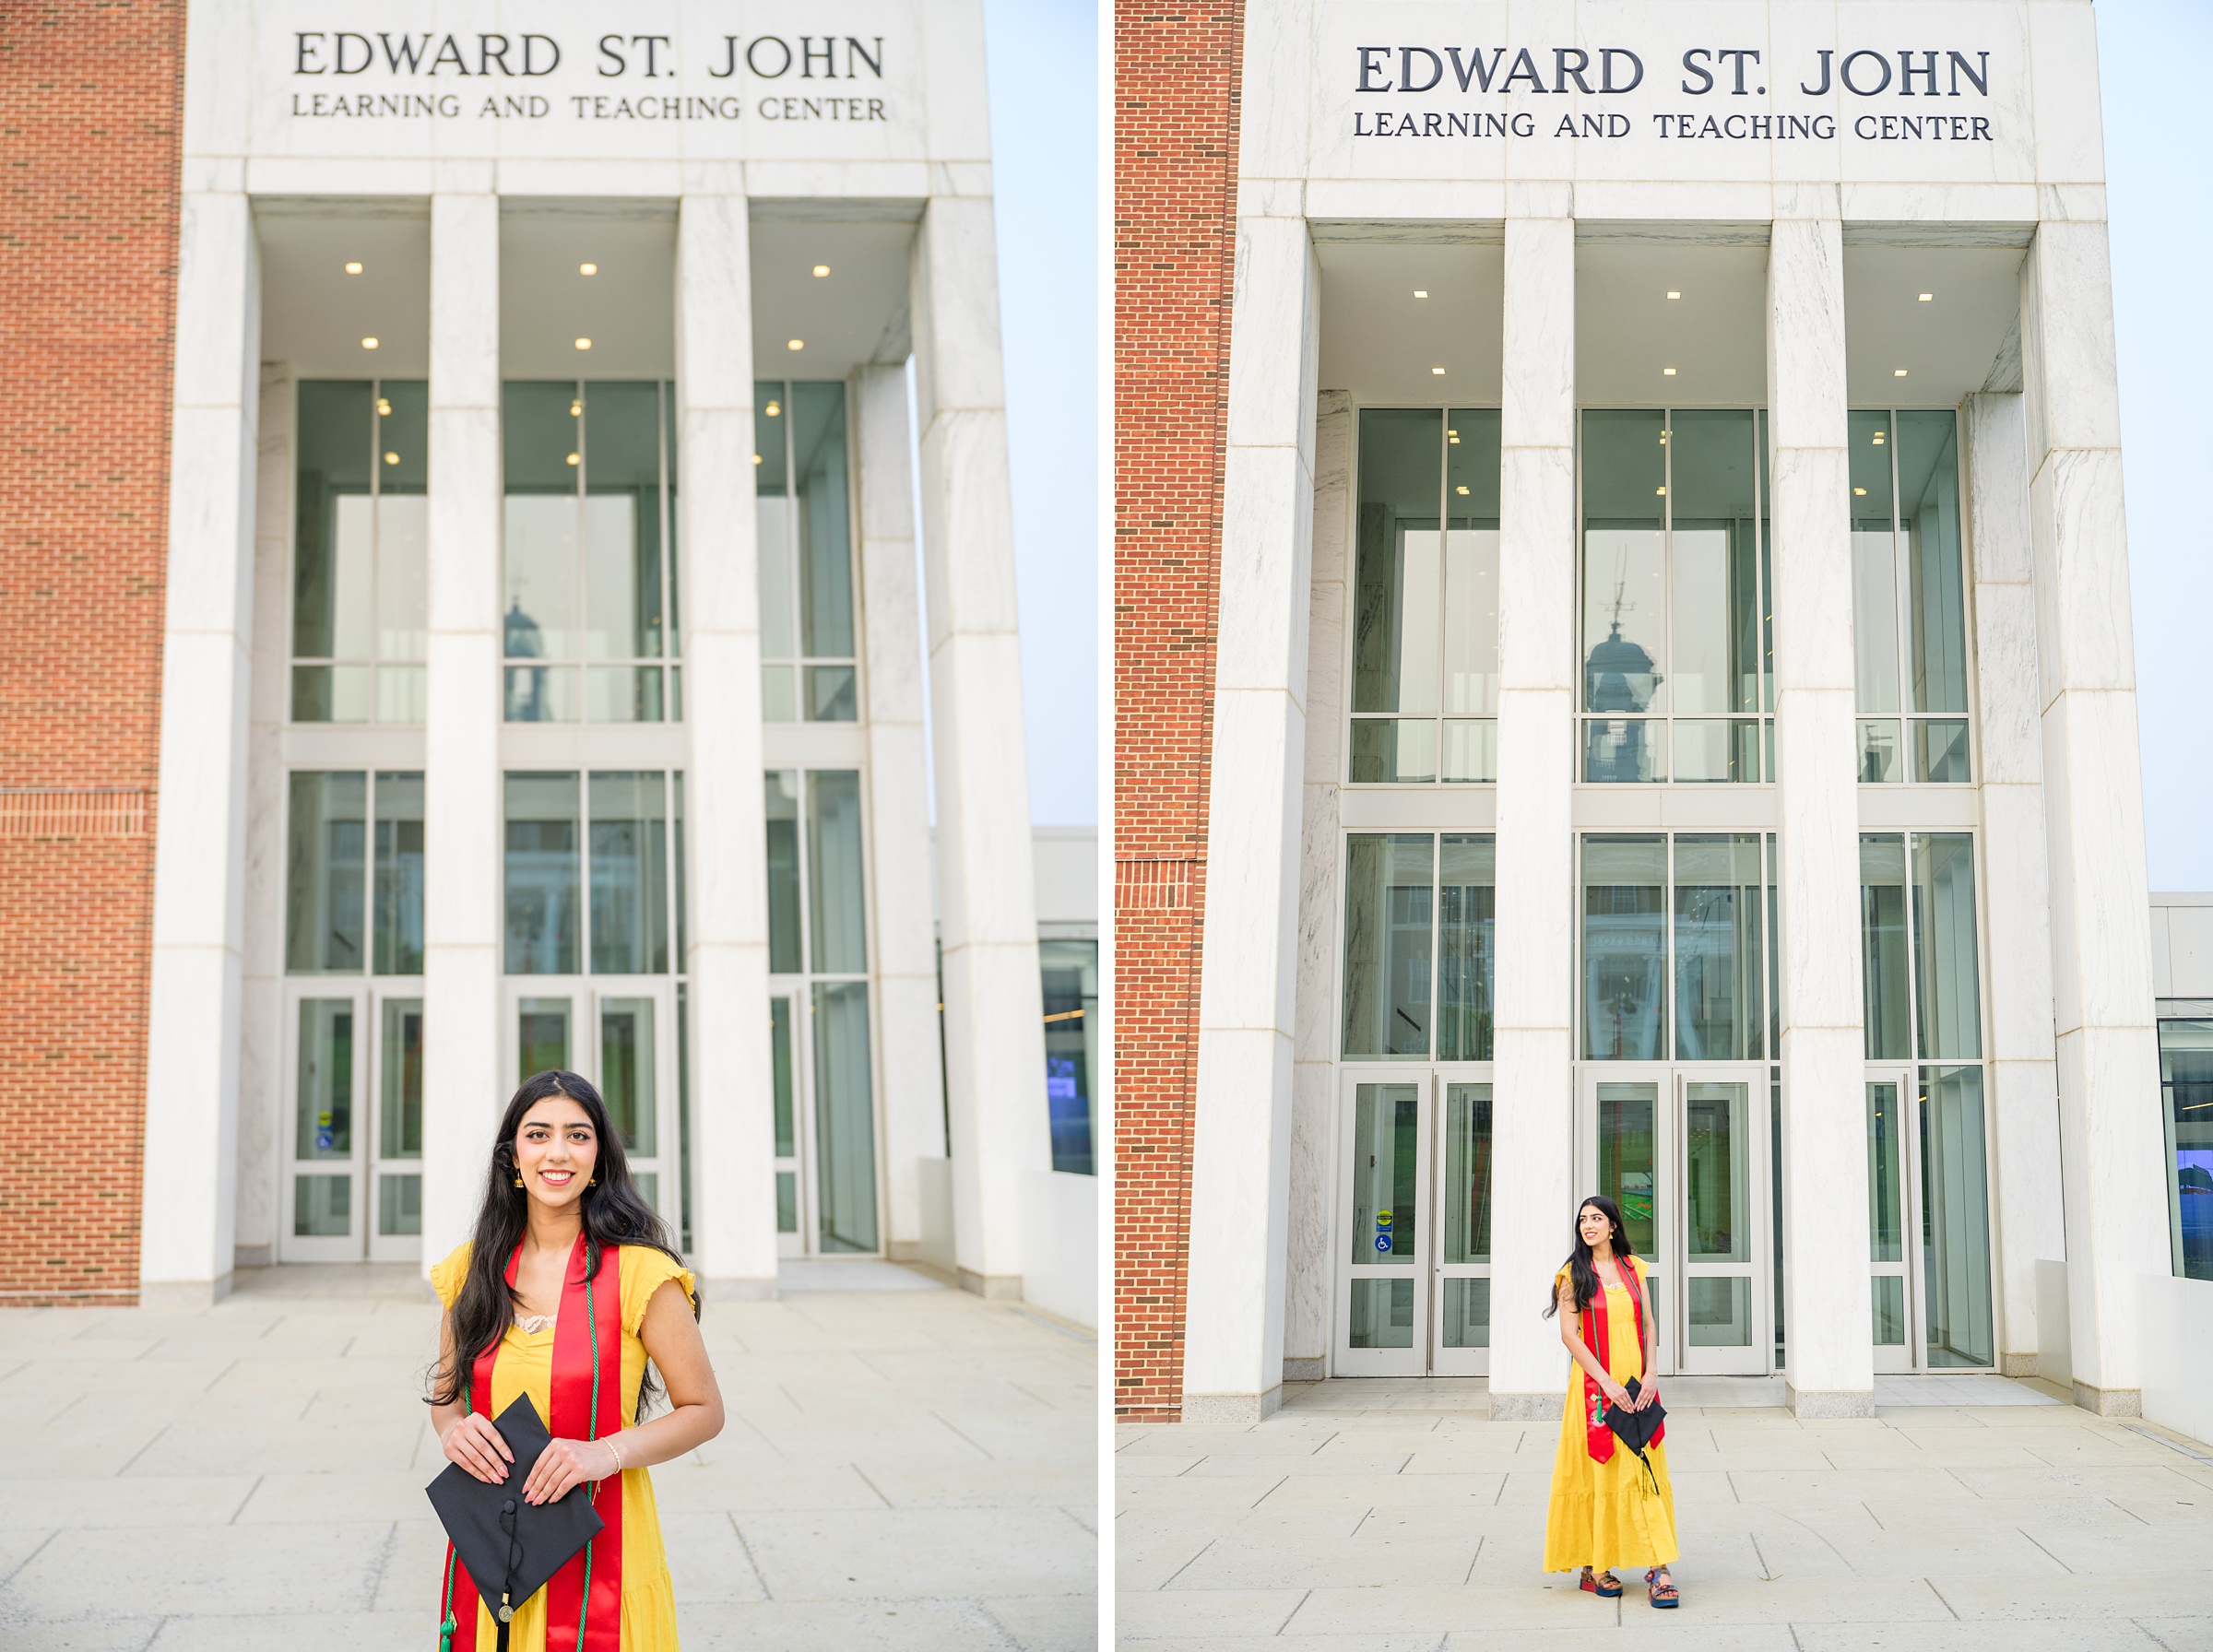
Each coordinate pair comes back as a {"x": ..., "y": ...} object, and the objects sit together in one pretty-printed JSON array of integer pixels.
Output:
[
  {"x": 1878, "y": 438},
  {"x": 1898, "y": 372},
  {"x": 587, "y": 269},
  {"x": 1660, "y": 492},
  {"x": 1674, "y": 295},
  {"x": 576, "y": 409},
  {"x": 584, "y": 343},
  {"x": 773, "y": 408},
  {"x": 756, "y": 458},
  {"x": 822, "y": 269},
  {"x": 1460, "y": 490},
  {"x": 383, "y": 406},
  {"x": 794, "y": 344},
  {"x": 391, "y": 458},
  {"x": 1859, "y": 490},
  {"x": 1668, "y": 373},
  {"x": 354, "y": 267},
  {"x": 1421, "y": 292},
  {"x": 1926, "y": 297},
  {"x": 1438, "y": 371},
  {"x": 575, "y": 458},
  {"x": 368, "y": 344}
]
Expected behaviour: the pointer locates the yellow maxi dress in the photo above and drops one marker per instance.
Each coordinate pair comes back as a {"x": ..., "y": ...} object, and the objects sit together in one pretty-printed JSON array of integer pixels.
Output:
[
  {"x": 1605, "y": 1514},
  {"x": 525, "y": 1366}
]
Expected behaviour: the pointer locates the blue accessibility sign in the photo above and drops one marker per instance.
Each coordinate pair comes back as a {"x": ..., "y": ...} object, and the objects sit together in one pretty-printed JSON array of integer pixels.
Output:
[{"x": 1383, "y": 1242}]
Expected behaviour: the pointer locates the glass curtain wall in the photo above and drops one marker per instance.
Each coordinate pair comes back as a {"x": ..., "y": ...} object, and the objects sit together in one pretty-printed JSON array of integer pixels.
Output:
[
  {"x": 2187, "y": 1087},
  {"x": 359, "y": 602},
  {"x": 818, "y": 942},
  {"x": 1922, "y": 994},
  {"x": 1424, "y": 691},
  {"x": 1419, "y": 953},
  {"x": 1678, "y": 953},
  {"x": 590, "y": 564},
  {"x": 1071, "y": 971},
  {"x": 1678, "y": 681},
  {"x": 801, "y": 488},
  {"x": 1909, "y": 598}
]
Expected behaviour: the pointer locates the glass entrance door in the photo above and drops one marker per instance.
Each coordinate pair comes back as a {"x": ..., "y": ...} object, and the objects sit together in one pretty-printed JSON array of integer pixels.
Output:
[
  {"x": 1928, "y": 1193},
  {"x": 1685, "y": 1155},
  {"x": 1413, "y": 1288},
  {"x": 621, "y": 1036},
  {"x": 353, "y": 1184}
]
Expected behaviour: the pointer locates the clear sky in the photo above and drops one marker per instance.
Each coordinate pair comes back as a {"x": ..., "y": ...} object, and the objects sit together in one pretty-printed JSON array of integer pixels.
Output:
[
  {"x": 1043, "y": 62},
  {"x": 2151, "y": 62}
]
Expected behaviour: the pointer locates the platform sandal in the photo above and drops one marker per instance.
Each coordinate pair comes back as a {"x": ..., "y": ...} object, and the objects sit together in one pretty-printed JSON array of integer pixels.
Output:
[
  {"x": 1596, "y": 1585},
  {"x": 1664, "y": 1594}
]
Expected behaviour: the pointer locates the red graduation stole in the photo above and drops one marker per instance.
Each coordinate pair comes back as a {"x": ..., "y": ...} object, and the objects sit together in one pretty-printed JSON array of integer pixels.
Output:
[
  {"x": 570, "y": 1623},
  {"x": 1598, "y": 1439}
]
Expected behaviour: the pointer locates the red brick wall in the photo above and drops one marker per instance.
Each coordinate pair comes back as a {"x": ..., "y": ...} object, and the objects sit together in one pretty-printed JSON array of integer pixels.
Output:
[
  {"x": 1174, "y": 228},
  {"x": 89, "y": 101}
]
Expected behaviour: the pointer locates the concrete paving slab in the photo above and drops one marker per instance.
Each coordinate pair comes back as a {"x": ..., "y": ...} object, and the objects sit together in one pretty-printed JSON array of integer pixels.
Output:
[
  {"x": 2075, "y": 1635},
  {"x": 253, "y": 1475},
  {"x": 1189, "y": 1613}
]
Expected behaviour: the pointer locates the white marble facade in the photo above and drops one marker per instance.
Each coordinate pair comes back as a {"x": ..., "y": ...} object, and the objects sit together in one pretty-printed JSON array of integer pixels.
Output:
[
  {"x": 1347, "y": 137},
  {"x": 449, "y": 122}
]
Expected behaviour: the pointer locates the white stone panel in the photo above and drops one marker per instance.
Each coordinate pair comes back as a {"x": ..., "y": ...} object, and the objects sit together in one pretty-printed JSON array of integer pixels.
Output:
[
  {"x": 733, "y": 1134},
  {"x": 1532, "y": 1193},
  {"x": 986, "y": 897},
  {"x": 1240, "y": 1179},
  {"x": 188, "y": 1218},
  {"x": 905, "y": 953},
  {"x": 1824, "y": 1150},
  {"x": 464, "y": 1090}
]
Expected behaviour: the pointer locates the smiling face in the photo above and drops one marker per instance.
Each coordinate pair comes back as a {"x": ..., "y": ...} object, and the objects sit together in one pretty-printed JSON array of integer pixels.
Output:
[
  {"x": 556, "y": 1150},
  {"x": 1592, "y": 1223}
]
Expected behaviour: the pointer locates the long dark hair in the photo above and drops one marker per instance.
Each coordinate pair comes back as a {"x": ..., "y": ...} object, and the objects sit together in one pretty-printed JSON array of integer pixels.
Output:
[
  {"x": 1581, "y": 1271},
  {"x": 614, "y": 1213}
]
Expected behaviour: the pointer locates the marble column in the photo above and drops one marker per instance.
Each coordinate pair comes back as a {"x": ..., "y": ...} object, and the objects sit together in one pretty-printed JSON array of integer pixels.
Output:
[
  {"x": 905, "y": 970},
  {"x": 263, "y": 1092},
  {"x": 188, "y": 1218},
  {"x": 1233, "y": 1355},
  {"x": 464, "y": 1082},
  {"x": 1306, "y": 1272},
  {"x": 1533, "y": 1191},
  {"x": 986, "y": 895},
  {"x": 2024, "y": 1108},
  {"x": 733, "y": 1124},
  {"x": 2111, "y": 1135},
  {"x": 1828, "y": 1353}
]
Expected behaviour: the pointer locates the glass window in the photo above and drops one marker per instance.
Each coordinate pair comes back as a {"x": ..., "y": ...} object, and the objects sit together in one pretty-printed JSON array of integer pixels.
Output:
[
  {"x": 1955, "y": 1220},
  {"x": 543, "y": 1042},
  {"x": 1625, "y": 949},
  {"x": 836, "y": 929},
  {"x": 626, "y": 1072},
  {"x": 844, "y": 1118},
  {"x": 1675, "y": 636},
  {"x": 1465, "y": 961},
  {"x": 786, "y": 1142},
  {"x": 399, "y": 1107},
  {"x": 1426, "y": 597},
  {"x": 1909, "y": 598},
  {"x": 1387, "y": 944},
  {"x": 324, "y": 1122},
  {"x": 326, "y": 873},
  {"x": 1886, "y": 997},
  {"x": 544, "y": 830},
  {"x": 1071, "y": 1006},
  {"x": 1386, "y": 1130},
  {"x": 2187, "y": 1083},
  {"x": 630, "y": 874},
  {"x": 1627, "y": 1140},
  {"x": 1719, "y": 959},
  {"x": 589, "y": 571},
  {"x": 360, "y": 601},
  {"x": 397, "y": 910},
  {"x": 1946, "y": 986},
  {"x": 1467, "y": 1212},
  {"x": 802, "y": 503},
  {"x": 783, "y": 794}
]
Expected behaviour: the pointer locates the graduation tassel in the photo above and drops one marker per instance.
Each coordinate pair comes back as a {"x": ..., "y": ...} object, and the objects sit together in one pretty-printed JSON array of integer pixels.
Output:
[{"x": 445, "y": 1634}]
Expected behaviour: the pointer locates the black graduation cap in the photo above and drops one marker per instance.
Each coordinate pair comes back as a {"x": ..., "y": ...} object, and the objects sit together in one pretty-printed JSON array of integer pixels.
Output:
[
  {"x": 511, "y": 1547},
  {"x": 1633, "y": 1428}
]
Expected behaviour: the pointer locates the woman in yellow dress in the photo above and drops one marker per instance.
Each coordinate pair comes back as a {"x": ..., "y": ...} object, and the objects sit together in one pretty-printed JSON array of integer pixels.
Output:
[
  {"x": 569, "y": 1288},
  {"x": 1605, "y": 1512}
]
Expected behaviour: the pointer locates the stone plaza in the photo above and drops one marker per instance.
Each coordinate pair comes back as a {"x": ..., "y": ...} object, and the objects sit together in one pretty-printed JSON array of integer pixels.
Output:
[
  {"x": 1376, "y": 1516},
  {"x": 905, "y": 1464}
]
